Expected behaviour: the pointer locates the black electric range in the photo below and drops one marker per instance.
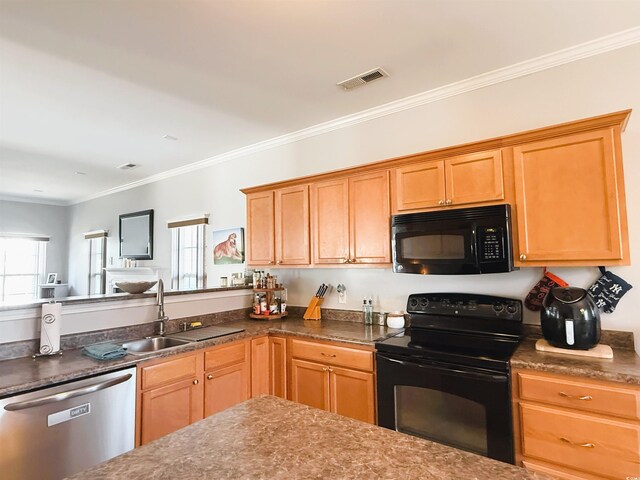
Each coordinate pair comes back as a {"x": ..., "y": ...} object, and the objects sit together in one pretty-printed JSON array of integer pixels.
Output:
[{"x": 447, "y": 377}]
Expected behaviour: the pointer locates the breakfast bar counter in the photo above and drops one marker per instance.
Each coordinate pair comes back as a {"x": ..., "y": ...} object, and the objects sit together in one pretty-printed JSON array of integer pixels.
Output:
[{"x": 268, "y": 437}]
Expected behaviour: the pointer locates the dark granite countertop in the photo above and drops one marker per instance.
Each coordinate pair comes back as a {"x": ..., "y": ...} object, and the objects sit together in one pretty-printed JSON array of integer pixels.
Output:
[
  {"x": 24, "y": 374},
  {"x": 268, "y": 437},
  {"x": 624, "y": 367}
]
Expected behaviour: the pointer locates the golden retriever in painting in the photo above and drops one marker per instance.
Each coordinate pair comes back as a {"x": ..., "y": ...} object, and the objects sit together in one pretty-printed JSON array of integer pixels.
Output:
[{"x": 227, "y": 249}]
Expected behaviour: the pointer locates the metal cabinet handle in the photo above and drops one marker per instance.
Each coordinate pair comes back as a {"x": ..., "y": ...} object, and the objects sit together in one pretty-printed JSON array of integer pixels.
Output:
[
  {"x": 577, "y": 444},
  {"x": 575, "y": 397},
  {"x": 448, "y": 202},
  {"x": 330, "y": 369},
  {"x": 324, "y": 369},
  {"x": 523, "y": 257},
  {"x": 195, "y": 382},
  {"x": 270, "y": 262},
  {"x": 346, "y": 260},
  {"x": 209, "y": 377},
  {"x": 332, "y": 355},
  {"x": 353, "y": 260},
  {"x": 278, "y": 262},
  {"x": 59, "y": 397},
  {"x": 440, "y": 202}
]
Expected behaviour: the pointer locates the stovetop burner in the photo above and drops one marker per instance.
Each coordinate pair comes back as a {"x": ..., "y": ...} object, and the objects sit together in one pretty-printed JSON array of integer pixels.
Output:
[{"x": 479, "y": 331}]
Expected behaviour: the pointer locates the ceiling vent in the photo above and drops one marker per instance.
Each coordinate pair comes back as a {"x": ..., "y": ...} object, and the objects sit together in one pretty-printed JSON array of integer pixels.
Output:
[
  {"x": 127, "y": 166},
  {"x": 363, "y": 78}
]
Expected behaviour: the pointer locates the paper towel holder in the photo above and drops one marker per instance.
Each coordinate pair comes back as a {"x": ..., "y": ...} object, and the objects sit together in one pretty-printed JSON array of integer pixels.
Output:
[{"x": 51, "y": 354}]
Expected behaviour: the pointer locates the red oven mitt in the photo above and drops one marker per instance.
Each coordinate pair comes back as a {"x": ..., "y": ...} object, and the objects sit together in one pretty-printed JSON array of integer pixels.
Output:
[{"x": 536, "y": 296}]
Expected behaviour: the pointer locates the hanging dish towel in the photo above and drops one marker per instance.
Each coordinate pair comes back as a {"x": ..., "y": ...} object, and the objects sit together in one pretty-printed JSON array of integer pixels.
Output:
[
  {"x": 104, "y": 351},
  {"x": 536, "y": 296},
  {"x": 608, "y": 290}
]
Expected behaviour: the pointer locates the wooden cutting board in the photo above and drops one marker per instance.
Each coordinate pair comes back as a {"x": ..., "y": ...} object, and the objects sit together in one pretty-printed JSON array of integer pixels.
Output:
[{"x": 599, "y": 351}]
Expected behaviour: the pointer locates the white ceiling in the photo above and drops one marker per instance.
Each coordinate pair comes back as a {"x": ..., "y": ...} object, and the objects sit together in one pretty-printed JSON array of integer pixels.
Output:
[{"x": 87, "y": 85}]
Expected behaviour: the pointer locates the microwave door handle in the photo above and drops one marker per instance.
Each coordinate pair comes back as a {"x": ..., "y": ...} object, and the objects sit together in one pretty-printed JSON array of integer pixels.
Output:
[
  {"x": 486, "y": 377},
  {"x": 58, "y": 397}
]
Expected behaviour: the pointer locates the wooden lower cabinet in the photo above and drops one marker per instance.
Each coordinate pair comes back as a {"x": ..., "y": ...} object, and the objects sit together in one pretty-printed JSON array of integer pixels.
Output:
[
  {"x": 260, "y": 378},
  {"x": 351, "y": 394},
  {"x": 323, "y": 384},
  {"x": 278, "y": 366},
  {"x": 227, "y": 376},
  {"x": 576, "y": 428},
  {"x": 170, "y": 396},
  {"x": 175, "y": 392}
]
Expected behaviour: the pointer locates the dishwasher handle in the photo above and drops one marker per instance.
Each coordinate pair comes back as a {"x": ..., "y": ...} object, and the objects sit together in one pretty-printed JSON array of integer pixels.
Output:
[{"x": 59, "y": 397}]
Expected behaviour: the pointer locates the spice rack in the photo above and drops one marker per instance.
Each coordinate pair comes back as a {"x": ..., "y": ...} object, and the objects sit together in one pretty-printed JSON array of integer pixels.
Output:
[{"x": 269, "y": 292}]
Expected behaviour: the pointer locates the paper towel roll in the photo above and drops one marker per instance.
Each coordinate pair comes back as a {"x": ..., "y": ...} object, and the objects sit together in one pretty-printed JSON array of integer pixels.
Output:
[{"x": 50, "y": 328}]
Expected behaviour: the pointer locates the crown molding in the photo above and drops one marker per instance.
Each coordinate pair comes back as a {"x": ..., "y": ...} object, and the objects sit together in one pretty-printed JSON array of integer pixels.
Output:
[
  {"x": 38, "y": 200},
  {"x": 598, "y": 46}
]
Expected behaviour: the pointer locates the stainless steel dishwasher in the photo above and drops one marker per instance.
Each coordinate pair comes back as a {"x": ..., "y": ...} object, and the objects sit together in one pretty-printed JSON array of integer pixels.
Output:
[{"x": 58, "y": 431}]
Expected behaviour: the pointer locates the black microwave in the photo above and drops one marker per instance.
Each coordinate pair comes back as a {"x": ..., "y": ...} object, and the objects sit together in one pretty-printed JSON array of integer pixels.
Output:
[{"x": 459, "y": 241}]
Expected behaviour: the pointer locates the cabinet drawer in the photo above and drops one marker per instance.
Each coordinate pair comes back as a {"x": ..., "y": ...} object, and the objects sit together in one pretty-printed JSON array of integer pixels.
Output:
[
  {"x": 332, "y": 355},
  {"x": 588, "y": 397},
  {"x": 604, "y": 447},
  {"x": 225, "y": 355},
  {"x": 170, "y": 371}
]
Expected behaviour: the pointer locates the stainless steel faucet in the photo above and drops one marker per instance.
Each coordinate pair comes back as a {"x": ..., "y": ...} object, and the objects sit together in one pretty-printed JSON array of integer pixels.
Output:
[{"x": 162, "y": 318}]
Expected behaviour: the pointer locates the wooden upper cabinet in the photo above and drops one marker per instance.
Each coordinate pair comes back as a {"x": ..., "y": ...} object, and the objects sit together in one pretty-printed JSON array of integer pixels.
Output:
[
  {"x": 460, "y": 180},
  {"x": 419, "y": 186},
  {"x": 474, "y": 178},
  {"x": 330, "y": 221},
  {"x": 292, "y": 226},
  {"x": 570, "y": 200},
  {"x": 351, "y": 220},
  {"x": 260, "y": 228},
  {"x": 369, "y": 218}
]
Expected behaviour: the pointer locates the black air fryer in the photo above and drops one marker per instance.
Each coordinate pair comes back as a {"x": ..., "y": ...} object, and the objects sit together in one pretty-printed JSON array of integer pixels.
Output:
[{"x": 570, "y": 319}]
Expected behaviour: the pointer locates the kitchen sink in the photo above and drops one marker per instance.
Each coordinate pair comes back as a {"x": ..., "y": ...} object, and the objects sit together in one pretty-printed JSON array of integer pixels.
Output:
[{"x": 154, "y": 344}]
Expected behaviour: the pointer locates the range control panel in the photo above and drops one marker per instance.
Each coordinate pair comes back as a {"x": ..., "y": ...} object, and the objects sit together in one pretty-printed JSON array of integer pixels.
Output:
[{"x": 465, "y": 305}]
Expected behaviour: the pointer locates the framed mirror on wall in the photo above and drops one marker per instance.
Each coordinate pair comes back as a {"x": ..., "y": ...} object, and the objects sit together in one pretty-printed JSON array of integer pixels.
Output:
[{"x": 136, "y": 235}]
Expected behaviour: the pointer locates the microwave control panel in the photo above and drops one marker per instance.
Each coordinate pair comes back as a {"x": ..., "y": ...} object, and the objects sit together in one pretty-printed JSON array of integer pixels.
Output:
[{"x": 491, "y": 244}]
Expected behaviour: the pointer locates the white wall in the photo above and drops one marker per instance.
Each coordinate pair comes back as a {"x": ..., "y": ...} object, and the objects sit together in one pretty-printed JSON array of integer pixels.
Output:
[
  {"x": 594, "y": 86},
  {"x": 49, "y": 220}
]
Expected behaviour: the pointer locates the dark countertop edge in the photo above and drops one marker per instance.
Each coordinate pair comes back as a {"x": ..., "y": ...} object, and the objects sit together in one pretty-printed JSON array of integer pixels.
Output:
[
  {"x": 115, "y": 297},
  {"x": 576, "y": 366},
  {"x": 101, "y": 367}
]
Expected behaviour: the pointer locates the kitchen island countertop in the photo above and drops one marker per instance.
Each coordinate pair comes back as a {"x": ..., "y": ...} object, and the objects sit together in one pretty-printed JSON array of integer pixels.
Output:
[{"x": 268, "y": 437}]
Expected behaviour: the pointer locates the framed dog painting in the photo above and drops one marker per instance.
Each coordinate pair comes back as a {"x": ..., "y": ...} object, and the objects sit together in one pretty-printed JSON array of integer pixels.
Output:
[{"x": 228, "y": 246}]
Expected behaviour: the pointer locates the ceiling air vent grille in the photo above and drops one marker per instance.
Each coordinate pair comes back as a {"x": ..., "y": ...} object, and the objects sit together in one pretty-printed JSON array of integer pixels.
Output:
[
  {"x": 363, "y": 78},
  {"x": 127, "y": 166}
]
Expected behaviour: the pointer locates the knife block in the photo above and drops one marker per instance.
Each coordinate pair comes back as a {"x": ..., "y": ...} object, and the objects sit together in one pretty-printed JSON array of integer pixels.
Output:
[{"x": 313, "y": 310}]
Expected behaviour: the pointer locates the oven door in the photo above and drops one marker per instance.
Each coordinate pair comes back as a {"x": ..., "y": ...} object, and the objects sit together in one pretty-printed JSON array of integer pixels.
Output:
[
  {"x": 444, "y": 248},
  {"x": 465, "y": 408}
]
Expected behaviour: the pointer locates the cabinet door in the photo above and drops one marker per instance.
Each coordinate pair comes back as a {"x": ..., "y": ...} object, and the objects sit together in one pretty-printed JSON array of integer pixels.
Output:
[
  {"x": 474, "y": 178},
  {"x": 568, "y": 199},
  {"x": 169, "y": 408},
  {"x": 310, "y": 384},
  {"x": 352, "y": 394},
  {"x": 278, "y": 366},
  {"x": 260, "y": 353},
  {"x": 260, "y": 229},
  {"x": 370, "y": 218},
  {"x": 330, "y": 219},
  {"x": 292, "y": 226},
  {"x": 419, "y": 186},
  {"x": 226, "y": 387}
]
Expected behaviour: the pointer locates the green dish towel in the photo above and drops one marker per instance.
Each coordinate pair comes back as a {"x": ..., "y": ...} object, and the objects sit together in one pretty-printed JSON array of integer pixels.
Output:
[{"x": 104, "y": 351}]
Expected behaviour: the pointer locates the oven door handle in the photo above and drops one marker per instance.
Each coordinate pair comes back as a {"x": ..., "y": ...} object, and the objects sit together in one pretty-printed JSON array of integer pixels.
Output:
[{"x": 486, "y": 377}]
